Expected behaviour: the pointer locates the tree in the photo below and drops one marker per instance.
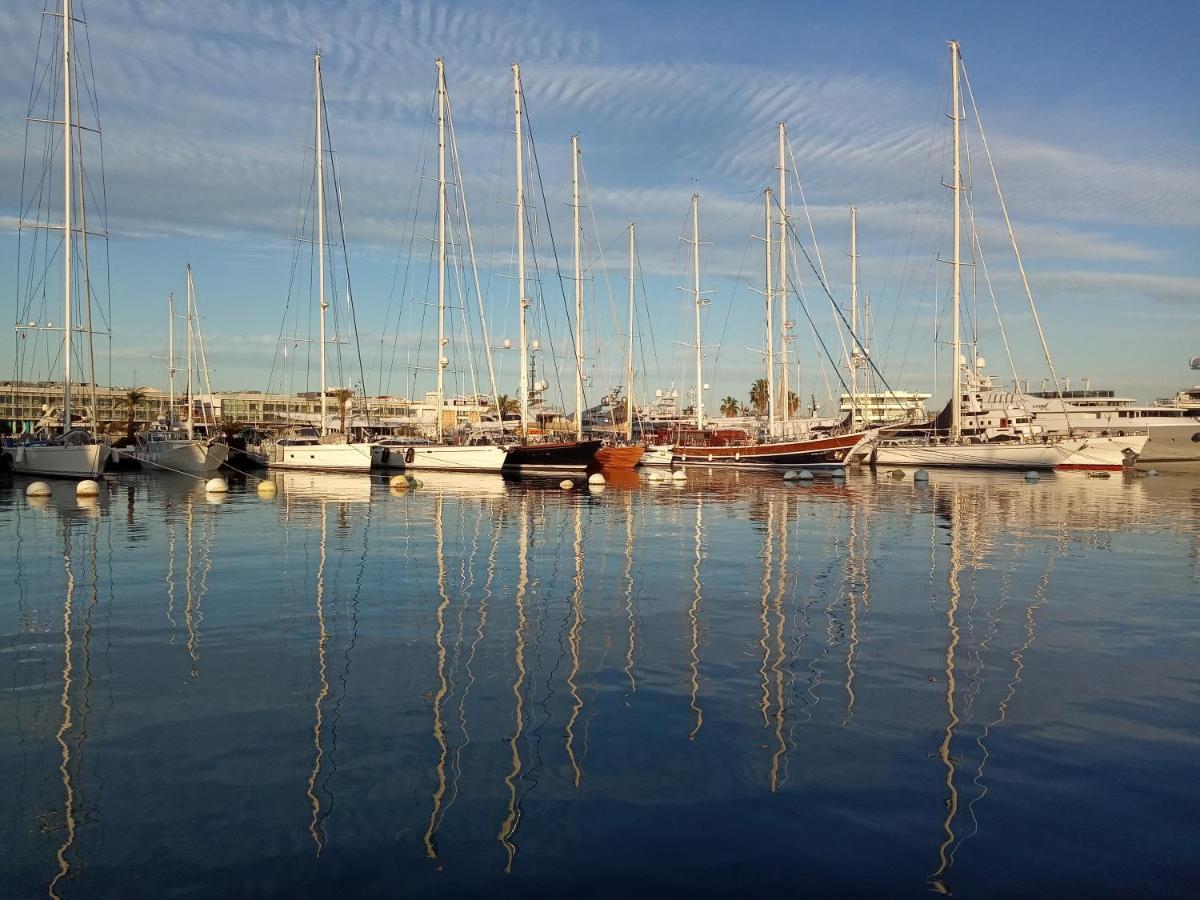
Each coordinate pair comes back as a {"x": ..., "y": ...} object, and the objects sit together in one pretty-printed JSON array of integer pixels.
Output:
[
  {"x": 759, "y": 396},
  {"x": 729, "y": 406},
  {"x": 343, "y": 396},
  {"x": 508, "y": 406},
  {"x": 133, "y": 398}
]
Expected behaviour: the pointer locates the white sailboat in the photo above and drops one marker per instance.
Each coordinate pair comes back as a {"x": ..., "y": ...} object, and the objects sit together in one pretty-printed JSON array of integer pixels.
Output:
[
  {"x": 1017, "y": 450},
  {"x": 441, "y": 454},
  {"x": 172, "y": 447},
  {"x": 308, "y": 448},
  {"x": 74, "y": 451}
]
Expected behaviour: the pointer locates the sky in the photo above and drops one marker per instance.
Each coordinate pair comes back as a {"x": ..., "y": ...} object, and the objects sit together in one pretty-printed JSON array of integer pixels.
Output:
[{"x": 1090, "y": 112}]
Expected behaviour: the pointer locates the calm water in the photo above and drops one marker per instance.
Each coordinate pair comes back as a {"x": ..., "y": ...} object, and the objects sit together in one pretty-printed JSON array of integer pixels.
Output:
[{"x": 979, "y": 686}]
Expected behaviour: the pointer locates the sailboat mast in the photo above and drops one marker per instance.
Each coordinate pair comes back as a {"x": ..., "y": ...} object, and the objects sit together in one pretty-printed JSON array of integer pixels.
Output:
[
  {"x": 68, "y": 208},
  {"x": 170, "y": 358},
  {"x": 629, "y": 336},
  {"x": 854, "y": 357},
  {"x": 785, "y": 393},
  {"x": 442, "y": 361},
  {"x": 699, "y": 303},
  {"x": 956, "y": 291},
  {"x": 578, "y": 291},
  {"x": 321, "y": 235},
  {"x": 524, "y": 338},
  {"x": 190, "y": 401},
  {"x": 770, "y": 294}
]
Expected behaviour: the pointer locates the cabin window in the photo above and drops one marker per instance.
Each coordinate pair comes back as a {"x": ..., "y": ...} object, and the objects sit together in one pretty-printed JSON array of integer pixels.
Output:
[{"x": 1196, "y": 438}]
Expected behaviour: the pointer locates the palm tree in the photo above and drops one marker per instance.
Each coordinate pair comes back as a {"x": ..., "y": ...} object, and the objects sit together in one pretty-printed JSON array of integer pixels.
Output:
[
  {"x": 508, "y": 406},
  {"x": 133, "y": 398},
  {"x": 343, "y": 396},
  {"x": 759, "y": 396},
  {"x": 793, "y": 403},
  {"x": 729, "y": 406}
]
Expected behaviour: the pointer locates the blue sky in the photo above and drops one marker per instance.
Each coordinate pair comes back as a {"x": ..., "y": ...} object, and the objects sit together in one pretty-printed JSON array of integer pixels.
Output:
[{"x": 1090, "y": 110}]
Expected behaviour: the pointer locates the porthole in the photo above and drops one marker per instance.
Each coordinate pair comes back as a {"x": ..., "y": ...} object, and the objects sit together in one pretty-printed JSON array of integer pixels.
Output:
[{"x": 1196, "y": 438}]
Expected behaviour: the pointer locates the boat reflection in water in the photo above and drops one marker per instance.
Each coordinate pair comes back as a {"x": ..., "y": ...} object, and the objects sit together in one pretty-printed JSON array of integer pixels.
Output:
[{"x": 541, "y": 675}]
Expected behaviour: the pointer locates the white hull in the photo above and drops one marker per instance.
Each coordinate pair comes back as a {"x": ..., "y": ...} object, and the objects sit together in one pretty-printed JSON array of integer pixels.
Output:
[
  {"x": 658, "y": 456},
  {"x": 1105, "y": 453},
  {"x": 83, "y": 461},
  {"x": 978, "y": 456},
  {"x": 440, "y": 457},
  {"x": 319, "y": 457},
  {"x": 193, "y": 457}
]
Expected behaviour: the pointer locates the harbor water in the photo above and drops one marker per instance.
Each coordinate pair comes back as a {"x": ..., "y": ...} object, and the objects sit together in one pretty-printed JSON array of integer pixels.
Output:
[{"x": 731, "y": 684}]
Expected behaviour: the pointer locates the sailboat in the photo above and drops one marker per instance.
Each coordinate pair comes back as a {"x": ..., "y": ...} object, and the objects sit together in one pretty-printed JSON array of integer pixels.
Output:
[
  {"x": 441, "y": 454},
  {"x": 65, "y": 448},
  {"x": 1014, "y": 449},
  {"x": 629, "y": 454},
  {"x": 172, "y": 447},
  {"x": 721, "y": 449},
  {"x": 308, "y": 448},
  {"x": 549, "y": 455}
]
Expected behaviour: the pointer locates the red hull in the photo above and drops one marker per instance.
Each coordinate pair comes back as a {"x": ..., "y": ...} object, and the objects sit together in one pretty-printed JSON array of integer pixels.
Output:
[
  {"x": 619, "y": 457},
  {"x": 1084, "y": 467},
  {"x": 829, "y": 452}
]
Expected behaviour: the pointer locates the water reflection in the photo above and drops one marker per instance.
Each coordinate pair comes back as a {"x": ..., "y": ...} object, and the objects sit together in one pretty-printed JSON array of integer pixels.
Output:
[{"x": 541, "y": 671}]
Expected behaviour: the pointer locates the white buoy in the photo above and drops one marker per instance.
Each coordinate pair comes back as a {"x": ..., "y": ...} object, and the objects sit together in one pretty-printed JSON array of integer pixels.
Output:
[
  {"x": 566, "y": 484},
  {"x": 266, "y": 489},
  {"x": 1032, "y": 475},
  {"x": 1151, "y": 472},
  {"x": 655, "y": 475},
  {"x": 38, "y": 489},
  {"x": 679, "y": 475},
  {"x": 920, "y": 475},
  {"x": 596, "y": 478},
  {"x": 87, "y": 488},
  {"x": 805, "y": 475},
  {"x": 217, "y": 486},
  {"x": 791, "y": 475},
  {"x": 597, "y": 488},
  {"x": 398, "y": 483},
  {"x": 837, "y": 473},
  {"x": 898, "y": 474}
]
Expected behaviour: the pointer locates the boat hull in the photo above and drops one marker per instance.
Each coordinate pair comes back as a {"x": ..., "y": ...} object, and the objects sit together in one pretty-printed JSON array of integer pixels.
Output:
[
  {"x": 193, "y": 457},
  {"x": 620, "y": 457},
  {"x": 1104, "y": 454},
  {"x": 977, "y": 456},
  {"x": 319, "y": 457},
  {"x": 658, "y": 455},
  {"x": 440, "y": 457},
  {"x": 564, "y": 456},
  {"x": 80, "y": 461},
  {"x": 816, "y": 453}
]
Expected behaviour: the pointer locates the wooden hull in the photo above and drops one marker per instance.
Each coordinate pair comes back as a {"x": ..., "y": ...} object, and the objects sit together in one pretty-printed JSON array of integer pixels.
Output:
[
  {"x": 440, "y": 457},
  {"x": 620, "y": 457},
  {"x": 566, "y": 456},
  {"x": 816, "y": 453}
]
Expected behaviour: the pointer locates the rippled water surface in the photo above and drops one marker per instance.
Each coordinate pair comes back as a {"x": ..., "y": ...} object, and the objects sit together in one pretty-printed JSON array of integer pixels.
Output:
[{"x": 979, "y": 686}]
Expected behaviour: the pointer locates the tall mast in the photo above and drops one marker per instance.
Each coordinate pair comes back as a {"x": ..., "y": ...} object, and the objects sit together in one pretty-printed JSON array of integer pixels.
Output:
[
  {"x": 785, "y": 393},
  {"x": 524, "y": 338},
  {"x": 854, "y": 357},
  {"x": 190, "y": 401},
  {"x": 170, "y": 358},
  {"x": 956, "y": 187},
  {"x": 699, "y": 303},
  {"x": 770, "y": 294},
  {"x": 321, "y": 233},
  {"x": 578, "y": 291},
  {"x": 68, "y": 208},
  {"x": 629, "y": 336},
  {"x": 442, "y": 361}
]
